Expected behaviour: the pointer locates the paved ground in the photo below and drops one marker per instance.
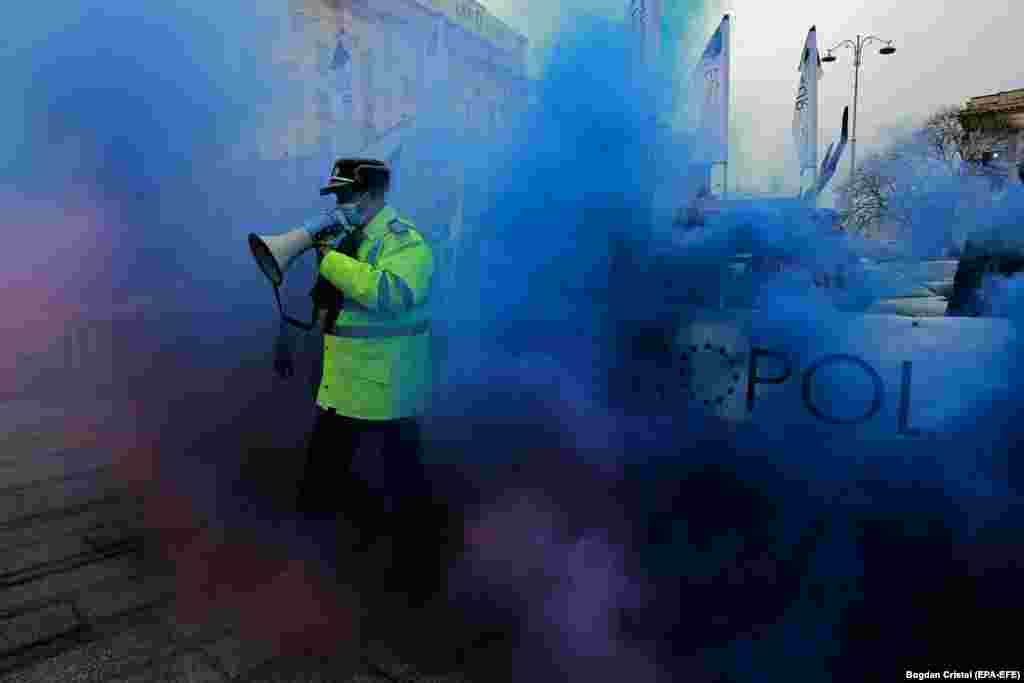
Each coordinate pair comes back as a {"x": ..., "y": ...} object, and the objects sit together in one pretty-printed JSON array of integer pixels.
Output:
[{"x": 89, "y": 591}]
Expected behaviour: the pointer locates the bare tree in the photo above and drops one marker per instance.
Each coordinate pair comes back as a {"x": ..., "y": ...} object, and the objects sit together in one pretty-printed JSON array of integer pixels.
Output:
[
  {"x": 920, "y": 182},
  {"x": 944, "y": 135},
  {"x": 864, "y": 198}
]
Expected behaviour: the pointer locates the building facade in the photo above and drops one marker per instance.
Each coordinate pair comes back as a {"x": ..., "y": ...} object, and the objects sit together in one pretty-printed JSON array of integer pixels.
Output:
[
  {"x": 364, "y": 69},
  {"x": 1003, "y": 111}
]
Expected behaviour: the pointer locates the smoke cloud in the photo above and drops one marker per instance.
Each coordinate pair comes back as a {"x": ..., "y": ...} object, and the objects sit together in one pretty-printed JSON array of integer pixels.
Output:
[{"x": 618, "y": 529}]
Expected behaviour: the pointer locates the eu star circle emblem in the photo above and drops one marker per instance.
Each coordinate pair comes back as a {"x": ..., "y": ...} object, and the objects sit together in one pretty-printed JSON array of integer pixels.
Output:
[{"x": 711, "y": 374}]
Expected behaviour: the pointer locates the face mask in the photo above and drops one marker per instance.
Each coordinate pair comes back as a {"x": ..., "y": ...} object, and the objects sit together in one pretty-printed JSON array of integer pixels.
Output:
[{"x": 353, "y": 211}]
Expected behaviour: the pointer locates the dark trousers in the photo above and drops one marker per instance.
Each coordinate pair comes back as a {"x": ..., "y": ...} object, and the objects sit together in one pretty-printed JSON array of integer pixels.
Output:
[{"x": 371, "y": 474}]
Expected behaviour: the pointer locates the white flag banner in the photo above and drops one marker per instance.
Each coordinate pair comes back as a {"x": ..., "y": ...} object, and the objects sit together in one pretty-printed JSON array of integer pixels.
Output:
[
  {"x": 645, "y": 20},
  {"x": 805, "y": 112},
  {"x": 709, "y": 101}
]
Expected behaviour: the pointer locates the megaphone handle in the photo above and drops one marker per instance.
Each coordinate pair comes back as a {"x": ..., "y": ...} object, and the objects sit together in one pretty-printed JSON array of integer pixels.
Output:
[{"x": 287, "y": 318}]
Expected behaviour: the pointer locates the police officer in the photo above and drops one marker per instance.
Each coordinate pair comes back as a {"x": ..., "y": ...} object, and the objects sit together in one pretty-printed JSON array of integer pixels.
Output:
[{"x": 372, "y": 297}]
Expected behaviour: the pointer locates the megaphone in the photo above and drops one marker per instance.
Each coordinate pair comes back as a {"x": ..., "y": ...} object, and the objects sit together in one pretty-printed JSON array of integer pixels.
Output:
[{"x": 274, "y": 254}]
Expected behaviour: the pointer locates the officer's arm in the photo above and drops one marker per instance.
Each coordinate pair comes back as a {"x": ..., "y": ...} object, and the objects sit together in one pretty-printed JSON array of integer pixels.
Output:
[{"x": 398, "y": 282}]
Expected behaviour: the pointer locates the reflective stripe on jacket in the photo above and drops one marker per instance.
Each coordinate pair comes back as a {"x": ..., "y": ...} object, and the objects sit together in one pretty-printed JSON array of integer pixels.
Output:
[{"x": 377, "y": 361}]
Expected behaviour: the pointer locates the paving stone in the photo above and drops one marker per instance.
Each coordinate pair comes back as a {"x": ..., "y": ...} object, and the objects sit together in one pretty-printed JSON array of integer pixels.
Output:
[
  {"x": 65, "y": 462},
  {"x": 137, "y": 646},
  {"x": 187, "y": 667},
  {"x": 43, "y": 624},
  {"x": 21, "y": 415},
  {"x": 390, "y": 664},
  {"x": 196, "y": 667},
  {"x": 133, "y": 592},
  {"x": 24, "y": 560},
  {"x": 64, "y": 584},
  {"x": 18, "y": 414},
  {"x": 28, "y": 427},
  {"x": 41, "y": 443},
  {"x": 78, "y": 519},
  {"x": 237, "y": 655},
  {"x": 218, "y": 622},
  {"x": 178, "y": 656},
  {"x": 112, "y": 532},
  {"x": 50, "y": 497},
  {"x": 124, "y": 653},
  {"x": 304, "y": 670}
]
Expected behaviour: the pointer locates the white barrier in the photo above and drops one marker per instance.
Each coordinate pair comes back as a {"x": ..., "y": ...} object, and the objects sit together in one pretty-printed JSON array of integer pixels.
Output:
[{"x": 867, "y": 375}]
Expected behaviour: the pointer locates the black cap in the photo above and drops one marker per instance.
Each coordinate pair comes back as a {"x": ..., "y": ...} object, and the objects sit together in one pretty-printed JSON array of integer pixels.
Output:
[{"x": 357, "y": 175}]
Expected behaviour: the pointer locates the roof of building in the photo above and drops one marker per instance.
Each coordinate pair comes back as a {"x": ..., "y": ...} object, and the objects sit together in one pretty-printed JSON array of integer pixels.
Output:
[
  {"x": 1011, "y": 100},
  {"x": 477, "y": 20}
]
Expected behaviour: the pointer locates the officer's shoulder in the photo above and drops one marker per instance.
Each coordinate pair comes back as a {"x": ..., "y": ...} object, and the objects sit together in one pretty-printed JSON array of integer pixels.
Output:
[
  {"x": 401, "y": 226},
  {"x": 405, "y": 231}
]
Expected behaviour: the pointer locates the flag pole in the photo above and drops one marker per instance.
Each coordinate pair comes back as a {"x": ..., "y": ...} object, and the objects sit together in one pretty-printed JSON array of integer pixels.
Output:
[
  {"x": 727, "y": 21},
  {"x": 817, "y": 116},
  {"x": 809, "y": 133}
]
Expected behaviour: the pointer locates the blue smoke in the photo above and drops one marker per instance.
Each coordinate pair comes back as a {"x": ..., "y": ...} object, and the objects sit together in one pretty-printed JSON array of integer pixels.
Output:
[
  {"x": 664, "y": 538},
  {"x": 767, "y": 547}
]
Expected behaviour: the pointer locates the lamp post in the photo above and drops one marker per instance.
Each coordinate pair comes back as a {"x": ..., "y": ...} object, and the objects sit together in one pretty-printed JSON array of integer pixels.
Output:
[{"x": 857, "y": 46}]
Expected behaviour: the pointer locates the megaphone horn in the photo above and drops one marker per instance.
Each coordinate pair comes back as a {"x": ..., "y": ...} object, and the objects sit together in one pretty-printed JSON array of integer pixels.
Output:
[{"x": 274, "y": 254}]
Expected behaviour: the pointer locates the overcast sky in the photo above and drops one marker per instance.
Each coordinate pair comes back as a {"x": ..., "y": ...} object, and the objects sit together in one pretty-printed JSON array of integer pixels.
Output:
[{"x": 947, "y": 51}]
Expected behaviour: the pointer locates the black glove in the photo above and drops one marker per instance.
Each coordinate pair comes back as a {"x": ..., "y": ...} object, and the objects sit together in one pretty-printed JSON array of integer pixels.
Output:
[
  {"x": 328, "y": 224},
  {"x": 284, "y": 362},
  {"x": 325, "y": 295}
]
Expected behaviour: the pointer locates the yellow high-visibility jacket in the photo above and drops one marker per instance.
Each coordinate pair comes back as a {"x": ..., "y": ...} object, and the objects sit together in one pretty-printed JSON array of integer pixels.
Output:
[{"x": 377, "y": 363}]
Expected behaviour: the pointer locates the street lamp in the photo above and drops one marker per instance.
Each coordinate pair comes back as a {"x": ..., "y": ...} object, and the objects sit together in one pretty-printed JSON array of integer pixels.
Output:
[{"x": 857, "y": 46}]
